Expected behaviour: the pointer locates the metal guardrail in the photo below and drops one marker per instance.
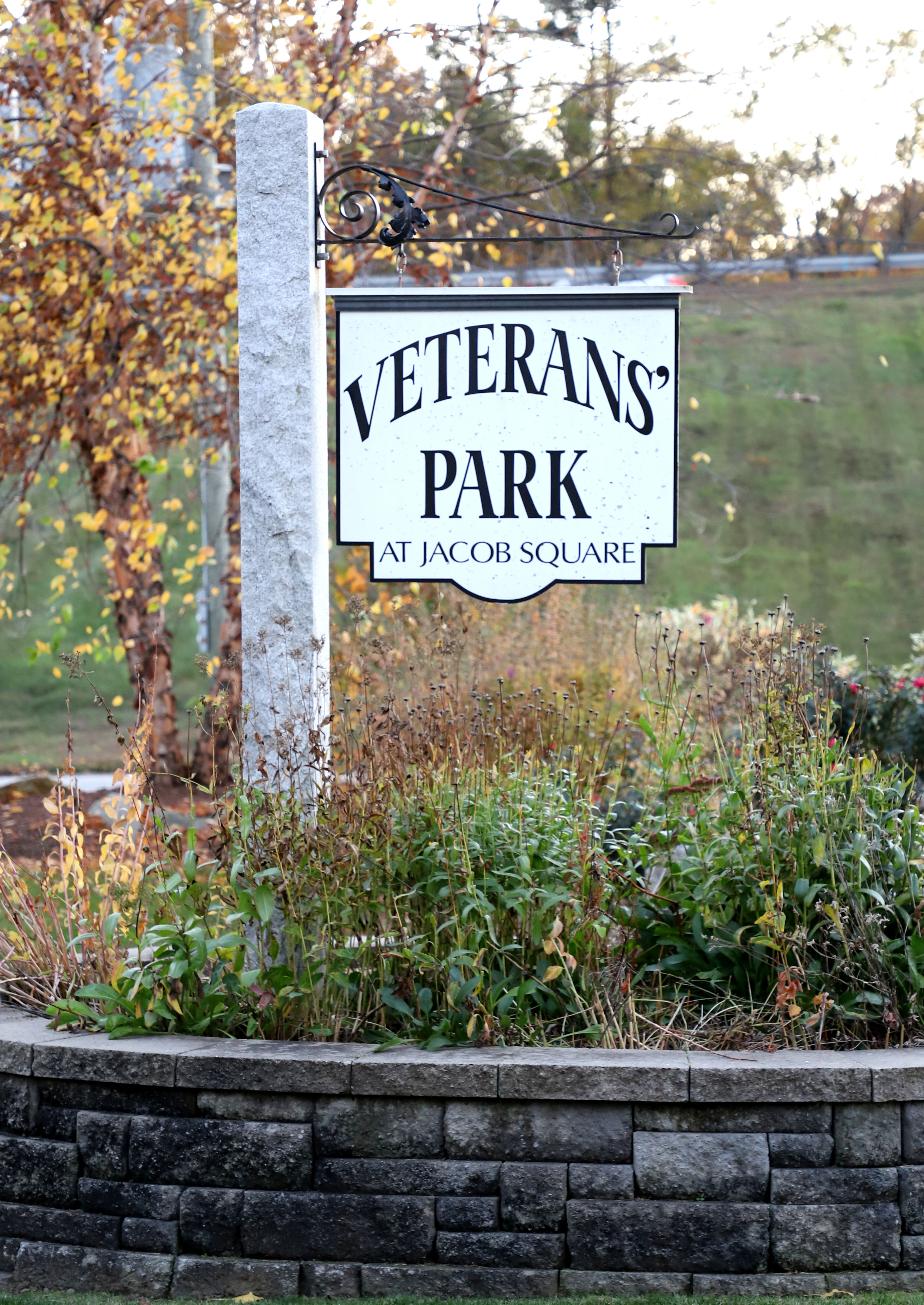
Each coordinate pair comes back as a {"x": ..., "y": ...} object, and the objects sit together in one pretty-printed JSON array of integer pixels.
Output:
[{"x": 693, "y": 270}]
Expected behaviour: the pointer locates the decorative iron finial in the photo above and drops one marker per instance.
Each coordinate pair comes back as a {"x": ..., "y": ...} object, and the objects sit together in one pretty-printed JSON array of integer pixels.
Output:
[{"x": 360, "y": 206}]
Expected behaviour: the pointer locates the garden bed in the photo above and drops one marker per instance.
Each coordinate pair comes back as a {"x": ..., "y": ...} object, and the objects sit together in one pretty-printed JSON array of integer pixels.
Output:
[{"x": 200, "y": 1167}]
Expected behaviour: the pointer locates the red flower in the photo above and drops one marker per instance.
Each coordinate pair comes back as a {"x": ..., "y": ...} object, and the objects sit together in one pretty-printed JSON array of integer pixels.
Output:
[
  {"x": 853, "y": 687},
  {"x": 900, "y": 684},
  {"x": 919, "y": 682}
]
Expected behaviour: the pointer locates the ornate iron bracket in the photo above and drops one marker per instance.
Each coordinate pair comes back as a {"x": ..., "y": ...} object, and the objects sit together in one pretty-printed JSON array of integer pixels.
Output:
[{"x": 360, "y": 206}]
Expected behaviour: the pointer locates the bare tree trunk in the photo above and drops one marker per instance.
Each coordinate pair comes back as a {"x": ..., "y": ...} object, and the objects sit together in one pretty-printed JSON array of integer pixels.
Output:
[
  {"x": 133, "y": 561},
  {"x": 219, "y": 481}
]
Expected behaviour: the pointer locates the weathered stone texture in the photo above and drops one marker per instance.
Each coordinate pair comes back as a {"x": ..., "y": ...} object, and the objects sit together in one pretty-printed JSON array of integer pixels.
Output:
[
  {"x": 411, "y": 1177},
  {"x": 497, "y": 1249},
  {"x": 779, "y": 1076},
  {"x": 833, "y": 1186},
  {"x": 37, "y": 1171},
  {"x": 210, "y": 1220},
  {"x": 467, "y": 1213},
  {"x": 330, "y": 1281},
  {"x": 18, "y": 1103},
  {"x": 758, "y": 1284},
  {"x": 148, "y": 1062},
  {"x": 678, "y": 1236},
  {"x": 103, "y": 1144},
  {"x": 596, "y": 1282},
  {"x": 334, "y": 1226},
  {"x": 140, "y": 1200},
  {"x": 40, "y": 1223},
  {"x": 409, "y": 1072},
  {"x": 43, "y": 1266},
  {"x": 18, "y": 1035},
  {"x": 447, "y": 1280},
  {"x": 601, "y": 1182},
  {"x": 150, "y": 1235},
  {"x": 282, "y": 418},
  {"x": 221, "y": 1153},
  {"x": 898, "y": 1074},
  {"x": 913, "y": 1132},
  {"x": 855, "y": 1283},
  {"x": 533, "y": 1196},
  {"x": 736, "y": 1117},
  {"x": 538, "y": 1130},
  {"x": 379, "y": 1127},
  {"x": 57, "y": 1125},
  {"x": 115, "y": 1098},
  {"x": 278, "y": 1107},
  {"x": 800, "y": 1150},
  {"x": 580, "y": 1074},
  {"x": 817, "y": 1238},
  {"x": 911, "y": 1197},
  {"x": 198, "y": 1278},
  {"x": 702, "y": 1166},
  {"x": 868, "y": 1134},
  {"x": 335, "y": 1172},
  {"x": 304, "y": 1068}
]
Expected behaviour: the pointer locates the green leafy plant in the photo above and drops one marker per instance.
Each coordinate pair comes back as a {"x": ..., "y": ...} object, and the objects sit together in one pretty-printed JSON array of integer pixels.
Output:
[{"x": 184, "y": 971}]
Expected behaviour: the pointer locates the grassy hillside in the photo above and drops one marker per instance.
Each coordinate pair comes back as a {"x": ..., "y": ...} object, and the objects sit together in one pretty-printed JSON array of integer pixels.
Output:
[
  {"x": 827, "y": 496},
  {"x": 821, "y": 500}
]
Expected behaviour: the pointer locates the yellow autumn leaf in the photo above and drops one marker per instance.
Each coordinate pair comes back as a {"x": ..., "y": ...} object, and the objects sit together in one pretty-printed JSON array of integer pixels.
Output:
[{"x": 552, "y": 973}]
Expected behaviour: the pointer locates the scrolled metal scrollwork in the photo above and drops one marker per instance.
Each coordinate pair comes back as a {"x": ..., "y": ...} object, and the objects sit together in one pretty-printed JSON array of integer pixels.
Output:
[{"x": 360, "y": 205}]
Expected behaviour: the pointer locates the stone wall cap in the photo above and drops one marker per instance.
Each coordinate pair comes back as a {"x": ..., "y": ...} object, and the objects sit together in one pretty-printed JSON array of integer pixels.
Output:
[{"x": 28, "y": 1045}]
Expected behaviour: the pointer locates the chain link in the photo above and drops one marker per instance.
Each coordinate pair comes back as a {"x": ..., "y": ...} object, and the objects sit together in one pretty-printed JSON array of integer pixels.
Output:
[
  {"x": 616, "y": 263},
  {"x": 400, "y": 264}
]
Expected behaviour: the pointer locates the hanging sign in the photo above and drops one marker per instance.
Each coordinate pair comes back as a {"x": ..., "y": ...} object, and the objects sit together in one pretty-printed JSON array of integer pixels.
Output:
[{"x": 506, "y": 441}]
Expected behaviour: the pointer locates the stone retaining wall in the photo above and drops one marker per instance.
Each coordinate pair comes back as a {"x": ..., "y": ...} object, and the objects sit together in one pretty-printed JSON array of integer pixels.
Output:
[{"x": 194, "y": 1167}]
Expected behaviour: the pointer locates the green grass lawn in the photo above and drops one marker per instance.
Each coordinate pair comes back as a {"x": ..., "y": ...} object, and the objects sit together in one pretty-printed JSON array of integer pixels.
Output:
[{"x": 824, "y": 498}]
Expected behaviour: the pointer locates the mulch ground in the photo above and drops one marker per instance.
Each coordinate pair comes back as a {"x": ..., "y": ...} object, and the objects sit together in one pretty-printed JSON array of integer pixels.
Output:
[{"x": 23, "y": 819}]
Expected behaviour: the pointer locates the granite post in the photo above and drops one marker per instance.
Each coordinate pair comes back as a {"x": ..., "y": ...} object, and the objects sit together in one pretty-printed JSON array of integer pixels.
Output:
[{"x": 283, "y": 447}]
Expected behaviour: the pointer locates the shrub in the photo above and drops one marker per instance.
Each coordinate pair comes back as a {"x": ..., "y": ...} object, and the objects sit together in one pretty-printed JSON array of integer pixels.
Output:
[
  {"x": 797, "y": 879},
  {"x": 717, "y": 868}
]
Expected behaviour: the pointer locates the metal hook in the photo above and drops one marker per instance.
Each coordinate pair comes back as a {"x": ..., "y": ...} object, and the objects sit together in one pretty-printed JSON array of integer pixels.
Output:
[
  {"x": 617, "y": 263},
  {"x": 400, "y": 264}
]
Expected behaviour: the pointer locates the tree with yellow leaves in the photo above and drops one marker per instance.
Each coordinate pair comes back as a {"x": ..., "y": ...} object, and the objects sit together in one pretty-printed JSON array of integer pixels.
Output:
[
  {"x": 112, "y": 327},
  {"x": 117, "y": 265}
]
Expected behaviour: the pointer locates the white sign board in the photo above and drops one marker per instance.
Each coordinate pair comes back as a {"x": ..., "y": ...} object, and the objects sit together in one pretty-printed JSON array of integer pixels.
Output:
[{"x": 506, "y": 441}]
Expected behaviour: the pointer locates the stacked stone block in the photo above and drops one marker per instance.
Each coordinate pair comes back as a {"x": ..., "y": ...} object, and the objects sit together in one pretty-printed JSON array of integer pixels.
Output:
[{"x": 199, "y": 1168}]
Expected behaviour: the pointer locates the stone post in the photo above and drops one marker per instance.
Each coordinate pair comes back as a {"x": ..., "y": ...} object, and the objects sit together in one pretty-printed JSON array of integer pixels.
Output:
[{"x": 283, "y": 442}]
